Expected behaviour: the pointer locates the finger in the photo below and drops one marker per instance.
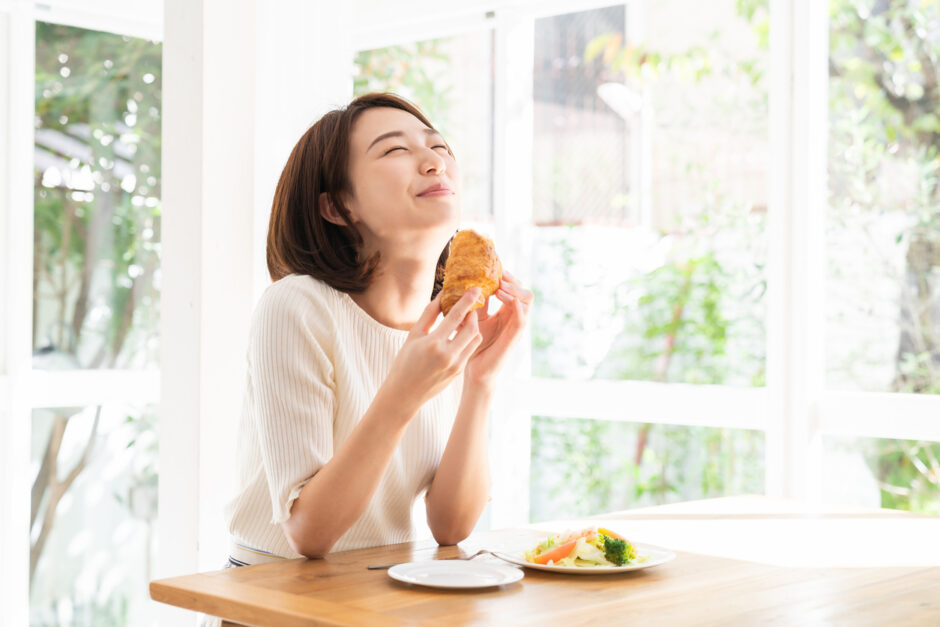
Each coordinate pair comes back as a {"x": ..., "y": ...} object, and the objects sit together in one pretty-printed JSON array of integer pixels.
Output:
[
  {"x": 526, "y": 296},
  {"x": 515, "y": 323},
  {"x": 458, "y": 312},
  {"x": 468, "y": 329},
  {"x": 515, "y": 326},
  {"x": 521, "y": 309},
  {"x": 484, "y": 312},
  {"x": 469, "y": 338},
  {"x": 469, "y": 349},
  {"x": 505, "y": 297},
  {"x": 508, "y": 301},
  {"x": 521, "y": 301},
  {"x": 428, "y": 316}
]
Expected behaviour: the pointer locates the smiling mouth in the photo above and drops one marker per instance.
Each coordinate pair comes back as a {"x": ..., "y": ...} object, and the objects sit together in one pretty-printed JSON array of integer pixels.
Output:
[{"x": 437, "y": 192}]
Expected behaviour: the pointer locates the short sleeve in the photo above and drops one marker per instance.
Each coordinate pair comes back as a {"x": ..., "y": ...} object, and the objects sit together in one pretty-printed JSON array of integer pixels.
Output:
[{"x": 293, "y": 388}]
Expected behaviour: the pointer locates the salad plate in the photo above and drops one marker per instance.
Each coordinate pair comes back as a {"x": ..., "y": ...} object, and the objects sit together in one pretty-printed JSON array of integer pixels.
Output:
[
  {"x": 647, "y": 557},
  {"x": 455, "y": 574}
]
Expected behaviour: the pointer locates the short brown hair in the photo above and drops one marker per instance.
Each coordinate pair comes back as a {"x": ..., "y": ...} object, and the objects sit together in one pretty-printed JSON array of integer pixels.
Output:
[{"x": 300, "y": 239}]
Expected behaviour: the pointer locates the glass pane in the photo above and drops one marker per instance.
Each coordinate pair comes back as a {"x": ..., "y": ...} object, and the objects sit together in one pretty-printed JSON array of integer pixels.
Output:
[
  {"x": 586, "y": 467},
  {"x": 97, "y": 198},
  {"x": 883, "y": 223},
  {"x": 871, "y": 472},
  {"x": 93, "y": 515},
  {"x": 651, "y": 177},
  {"x": 451, "y": 81}
]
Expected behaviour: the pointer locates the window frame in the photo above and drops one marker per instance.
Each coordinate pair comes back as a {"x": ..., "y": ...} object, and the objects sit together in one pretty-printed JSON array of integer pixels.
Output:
[
  {"x": 16, "y": 227},
  {"x": 23, "y": 389}
]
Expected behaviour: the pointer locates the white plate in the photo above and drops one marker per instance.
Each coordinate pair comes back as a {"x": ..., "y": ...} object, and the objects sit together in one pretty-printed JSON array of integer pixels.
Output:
[
  {"x": 654, "y": 556},
  {"x": 455, "y": 574}
]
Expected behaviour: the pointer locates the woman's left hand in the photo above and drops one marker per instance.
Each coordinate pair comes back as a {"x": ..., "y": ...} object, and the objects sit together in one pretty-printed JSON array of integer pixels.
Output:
[{"x": 500, "y": 331}]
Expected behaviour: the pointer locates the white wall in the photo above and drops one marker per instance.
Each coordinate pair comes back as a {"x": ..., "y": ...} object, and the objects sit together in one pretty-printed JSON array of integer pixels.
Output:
[{"x": 16, "y": 226}]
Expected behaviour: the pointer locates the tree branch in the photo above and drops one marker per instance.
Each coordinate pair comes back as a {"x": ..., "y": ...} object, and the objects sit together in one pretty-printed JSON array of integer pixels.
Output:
[
  {"x": 58, "y": 489},
  {"x": 41, "y": 483}
]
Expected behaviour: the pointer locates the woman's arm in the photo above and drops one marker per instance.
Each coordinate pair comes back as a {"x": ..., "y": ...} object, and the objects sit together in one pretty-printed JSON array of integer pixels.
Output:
[
  {"x": 337, "y": 495},
  {"x": 461, "y": 484}
]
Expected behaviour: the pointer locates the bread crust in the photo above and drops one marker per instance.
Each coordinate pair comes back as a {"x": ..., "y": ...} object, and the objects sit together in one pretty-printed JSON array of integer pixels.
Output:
[{"x": 473, "y": 262}]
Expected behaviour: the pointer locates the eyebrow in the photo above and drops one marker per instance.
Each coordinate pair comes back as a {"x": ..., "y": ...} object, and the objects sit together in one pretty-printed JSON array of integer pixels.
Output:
[{"x": 427, "y": 131}]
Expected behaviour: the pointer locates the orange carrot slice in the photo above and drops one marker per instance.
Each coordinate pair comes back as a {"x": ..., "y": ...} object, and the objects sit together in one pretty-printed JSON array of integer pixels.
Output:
[{"x": 556, "y": 554}]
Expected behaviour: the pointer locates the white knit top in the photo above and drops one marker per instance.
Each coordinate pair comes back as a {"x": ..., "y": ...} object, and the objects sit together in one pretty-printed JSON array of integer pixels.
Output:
[{"x": 315, "y": 363}]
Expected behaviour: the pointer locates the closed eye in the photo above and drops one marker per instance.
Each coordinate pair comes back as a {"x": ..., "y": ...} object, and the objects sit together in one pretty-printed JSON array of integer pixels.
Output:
[{"x": 390, "y": 150}]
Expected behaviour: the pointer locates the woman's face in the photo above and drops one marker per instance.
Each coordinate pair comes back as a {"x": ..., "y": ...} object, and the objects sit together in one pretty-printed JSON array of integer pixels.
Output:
[{"x": 405, "y": 181}]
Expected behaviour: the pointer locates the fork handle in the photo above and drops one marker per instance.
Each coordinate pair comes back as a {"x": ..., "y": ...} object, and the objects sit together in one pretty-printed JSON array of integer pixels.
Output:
[{"x": 440, "y": 559}]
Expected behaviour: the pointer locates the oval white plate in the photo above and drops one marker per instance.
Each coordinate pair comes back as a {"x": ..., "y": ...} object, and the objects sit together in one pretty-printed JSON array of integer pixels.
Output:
[
  {"x": 654, "y": 555},
  {"x": 455, "y": 574}
]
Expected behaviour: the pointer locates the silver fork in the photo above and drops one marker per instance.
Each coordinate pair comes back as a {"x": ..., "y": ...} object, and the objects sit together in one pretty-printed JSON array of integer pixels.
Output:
[{"x": 459, "y": 557}]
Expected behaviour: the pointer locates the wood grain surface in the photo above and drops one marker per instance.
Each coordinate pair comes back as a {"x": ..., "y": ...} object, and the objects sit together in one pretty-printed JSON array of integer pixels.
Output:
[{"x": 740, "y": 561}]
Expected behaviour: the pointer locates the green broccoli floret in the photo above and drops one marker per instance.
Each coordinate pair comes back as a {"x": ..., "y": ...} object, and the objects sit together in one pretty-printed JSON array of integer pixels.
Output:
[{"x": 618, "y": 552}]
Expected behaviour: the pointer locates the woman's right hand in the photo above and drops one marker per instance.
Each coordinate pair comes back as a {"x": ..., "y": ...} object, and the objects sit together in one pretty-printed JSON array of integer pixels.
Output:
[{"x": 429, "y": 360}]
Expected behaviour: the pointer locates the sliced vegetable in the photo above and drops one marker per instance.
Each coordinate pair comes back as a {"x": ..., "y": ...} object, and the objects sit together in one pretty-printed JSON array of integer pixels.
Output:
[
  {"x": 610, "y": 534},
  {"x": 588, "y": 547},
  {"x": 557, "y": 553}
]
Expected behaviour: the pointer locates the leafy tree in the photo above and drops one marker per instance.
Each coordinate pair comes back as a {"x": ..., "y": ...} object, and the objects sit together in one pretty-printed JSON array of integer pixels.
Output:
[{"x": 97, "y": 225}]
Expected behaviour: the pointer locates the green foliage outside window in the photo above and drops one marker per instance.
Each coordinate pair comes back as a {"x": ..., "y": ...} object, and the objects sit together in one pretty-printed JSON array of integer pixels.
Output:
[
  {"x": 97, "y": 208},
  {"x": 884, "y": 98}
]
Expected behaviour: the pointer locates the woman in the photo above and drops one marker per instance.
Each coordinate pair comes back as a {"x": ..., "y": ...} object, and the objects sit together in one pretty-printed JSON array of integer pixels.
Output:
[{"x": 356, "y": 403}]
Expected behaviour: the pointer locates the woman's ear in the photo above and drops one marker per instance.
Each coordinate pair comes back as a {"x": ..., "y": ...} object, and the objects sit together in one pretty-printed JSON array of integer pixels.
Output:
[{"x": 328, "y": 210}]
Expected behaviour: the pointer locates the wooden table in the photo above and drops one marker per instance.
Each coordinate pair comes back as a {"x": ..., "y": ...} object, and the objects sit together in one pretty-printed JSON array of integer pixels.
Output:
[{"x": 740, "y": 561}]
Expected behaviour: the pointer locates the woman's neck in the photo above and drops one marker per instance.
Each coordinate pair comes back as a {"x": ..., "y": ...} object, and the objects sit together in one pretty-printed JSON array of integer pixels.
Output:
[{"x": 399, "y": 293}]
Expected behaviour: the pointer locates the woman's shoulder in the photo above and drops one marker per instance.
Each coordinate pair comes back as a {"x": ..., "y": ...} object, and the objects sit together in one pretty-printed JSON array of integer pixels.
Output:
[{"x": 298, "y": 294}]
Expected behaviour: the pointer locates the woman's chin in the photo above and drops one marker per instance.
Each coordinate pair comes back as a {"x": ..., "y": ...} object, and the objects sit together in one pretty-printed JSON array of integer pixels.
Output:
[{"x": 446, "y": 221}]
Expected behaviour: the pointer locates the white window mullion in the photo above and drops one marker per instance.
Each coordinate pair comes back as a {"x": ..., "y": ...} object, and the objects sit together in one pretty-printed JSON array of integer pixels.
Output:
[
  {"x": 180, "y": 301},
  {"x": 810, "y": 163},
  {"x": 795, "y": 354},
  {"x": 510, "y": 431},
  {"x": 75, "y": 388},
  {"x": 778, "y": 276},
  {"x": 649, "y": 402},
  {"x": 17, "y": 77},
  {"x": 880, "y": 415}
]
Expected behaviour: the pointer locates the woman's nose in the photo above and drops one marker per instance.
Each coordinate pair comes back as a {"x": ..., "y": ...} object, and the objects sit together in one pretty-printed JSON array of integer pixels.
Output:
[{"x": 433, "y": 163}]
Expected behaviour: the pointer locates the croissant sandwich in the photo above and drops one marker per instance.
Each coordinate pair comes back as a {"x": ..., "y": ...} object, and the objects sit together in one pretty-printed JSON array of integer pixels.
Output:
[{"x": 472, "y": 263}]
